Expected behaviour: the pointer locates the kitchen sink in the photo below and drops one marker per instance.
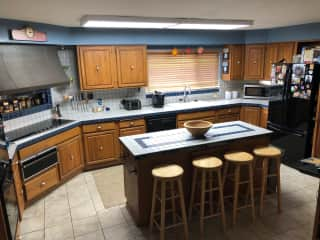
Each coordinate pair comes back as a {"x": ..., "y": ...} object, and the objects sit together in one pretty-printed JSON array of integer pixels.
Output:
[{"x": 188, "y": 104}]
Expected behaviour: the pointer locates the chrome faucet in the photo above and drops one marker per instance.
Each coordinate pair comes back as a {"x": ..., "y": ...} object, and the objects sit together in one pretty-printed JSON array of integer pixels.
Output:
[{"x": 186, "y": 92}]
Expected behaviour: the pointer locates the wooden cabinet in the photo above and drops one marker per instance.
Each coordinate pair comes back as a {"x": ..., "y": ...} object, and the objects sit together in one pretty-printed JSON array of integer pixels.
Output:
[
  {"x": 70, "y": 157},
  {"x": 250, "y": 115},
  {"x": 97, "y": 67},
  {"x": 276, "y": 52},
  {"x": 131, "y": 63},
  {"x": 101, "y": 146},
  {"x": 41, "y": 183},
  {"x": 204, "y": 115},
  {"x": 316, "y": 133},
  {"x": 264, "y": 112},
  {"x": 227, "y": 114},
  {"x": 254, "y": 62},
  {"x": 18, "y": 185},
  {"x": 235, "y": 62},
  {"x": 105, "y": 67}
]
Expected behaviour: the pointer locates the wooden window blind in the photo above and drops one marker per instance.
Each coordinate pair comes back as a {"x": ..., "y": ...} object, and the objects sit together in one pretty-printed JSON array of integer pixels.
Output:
[{"x": 171, "y": 73}]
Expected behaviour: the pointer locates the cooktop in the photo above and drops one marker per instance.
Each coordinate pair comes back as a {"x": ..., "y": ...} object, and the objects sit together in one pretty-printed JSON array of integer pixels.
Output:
[{"x": 34, "y": 129}]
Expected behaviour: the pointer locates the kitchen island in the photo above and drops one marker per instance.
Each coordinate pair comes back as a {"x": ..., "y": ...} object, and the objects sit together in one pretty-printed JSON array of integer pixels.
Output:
[{"x": 143, "y": 152}]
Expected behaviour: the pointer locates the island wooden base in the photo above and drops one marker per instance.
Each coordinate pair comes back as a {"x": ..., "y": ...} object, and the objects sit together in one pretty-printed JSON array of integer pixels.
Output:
[{"x": 138, "y": 179}]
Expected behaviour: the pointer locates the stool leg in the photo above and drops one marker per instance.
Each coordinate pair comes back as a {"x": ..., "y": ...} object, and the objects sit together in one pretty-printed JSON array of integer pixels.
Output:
[
  {"x": 193, "y": 189},
  {"x": 223, "y": 216},
  {"x": 153, "y": 206},
  {"x": 264, "y": 177},
  {"x": 173, "y": 202},
  {"x": 278, "y": 184},
  {"x": 211, "y": 192},
  {"x": 252, "y": 191},
  {"x": 183, "y": 210},
  {"x": 163, "y": 210},
  {"x": 236, "y": 192},
  {"x": 225, "y": 172},
  {"x": 202, "y": 201}
]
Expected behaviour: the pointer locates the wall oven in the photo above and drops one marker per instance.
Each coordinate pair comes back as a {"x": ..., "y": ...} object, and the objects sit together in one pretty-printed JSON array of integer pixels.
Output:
[
  {"x": 9, "y": 216},
  {"x": 38, "y": 163}
]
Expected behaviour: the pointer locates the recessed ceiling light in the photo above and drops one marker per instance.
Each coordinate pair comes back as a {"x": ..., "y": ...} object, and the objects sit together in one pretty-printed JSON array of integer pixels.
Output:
[{"x": 162, "y": 23}]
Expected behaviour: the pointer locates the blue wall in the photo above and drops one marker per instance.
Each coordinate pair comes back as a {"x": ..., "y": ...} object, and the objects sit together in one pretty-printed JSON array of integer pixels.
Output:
[{"x": 81, "y": 36}]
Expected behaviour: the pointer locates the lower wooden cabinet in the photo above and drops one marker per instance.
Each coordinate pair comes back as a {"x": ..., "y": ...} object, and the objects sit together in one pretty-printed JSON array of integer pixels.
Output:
[
  {"x": 251, "y": 115},
  {"x": 228, "y": 114},
  {"x": 204, "y": 115},
  {"x": 264, "y": 112},
  {"x": 18, "y": 185},
  {"x": 70, "y": 157},
  {"x": 101, "y": 147},
  {"x": 41, "y": 183}
]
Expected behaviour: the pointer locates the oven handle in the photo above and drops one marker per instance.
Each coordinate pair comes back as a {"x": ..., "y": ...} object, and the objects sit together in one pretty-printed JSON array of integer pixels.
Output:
[{"x": 40, "y": 153}]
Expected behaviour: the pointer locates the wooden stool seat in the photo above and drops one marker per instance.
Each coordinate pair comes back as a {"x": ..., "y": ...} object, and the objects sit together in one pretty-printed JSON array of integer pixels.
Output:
[
  {"x": 268, "y": 151},
  {"x": 239, "y": 160},
  {"x": 207, "y": 162},
  {"x": 238, "y": 157},
  {"x": 169, "y": 171},
  {"x": 205, "y": 168},
  {"x": 265, "y": 155},
  {"x": 168, "y": 177}
]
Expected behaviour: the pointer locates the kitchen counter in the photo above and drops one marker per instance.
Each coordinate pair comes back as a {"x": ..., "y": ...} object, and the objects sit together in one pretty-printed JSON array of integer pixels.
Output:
[
  {"x": 80, "y": 118},
  {"x": 146, "y": 151},
  {"x": 157, "y": 142}
]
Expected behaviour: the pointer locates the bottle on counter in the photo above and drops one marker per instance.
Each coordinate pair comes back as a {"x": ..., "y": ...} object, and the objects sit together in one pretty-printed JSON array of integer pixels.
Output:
[{"x": 15, "y": 103}]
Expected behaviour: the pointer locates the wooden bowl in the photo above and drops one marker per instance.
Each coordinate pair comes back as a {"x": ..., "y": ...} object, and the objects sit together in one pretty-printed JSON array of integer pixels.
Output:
[{"x": 198, "y": 127}]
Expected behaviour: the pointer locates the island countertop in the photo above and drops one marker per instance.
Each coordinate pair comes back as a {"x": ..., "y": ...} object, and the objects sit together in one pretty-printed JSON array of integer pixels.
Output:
[{"x": 155, "y": 142}]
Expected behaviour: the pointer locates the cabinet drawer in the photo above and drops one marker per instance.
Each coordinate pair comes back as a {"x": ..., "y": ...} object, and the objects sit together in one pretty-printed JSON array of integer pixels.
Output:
[
  {"x": 41, "y": 183},
  {"x": 228, "y": 118},
  {"x": 132, "y": 131},
  {"x": 228, "y": 111},
  {"x": 195, "y": 115},
  {"x": 180, "y": 124},
  {"x": 131, "y": 123},
  {"x": 99, "y": 127}
]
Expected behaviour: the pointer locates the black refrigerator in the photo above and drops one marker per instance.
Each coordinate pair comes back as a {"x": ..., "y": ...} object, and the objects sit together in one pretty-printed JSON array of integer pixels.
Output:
[{"x": 292, "y": 116}]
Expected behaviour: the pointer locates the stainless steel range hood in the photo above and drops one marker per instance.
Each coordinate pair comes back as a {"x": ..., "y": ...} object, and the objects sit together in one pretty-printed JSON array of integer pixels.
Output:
[{"x": 28, "y": 67}]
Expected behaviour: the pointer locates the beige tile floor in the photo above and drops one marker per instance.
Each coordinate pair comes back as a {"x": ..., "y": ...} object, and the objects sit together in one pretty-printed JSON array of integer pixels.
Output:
[{"x": 75, "y": 211}]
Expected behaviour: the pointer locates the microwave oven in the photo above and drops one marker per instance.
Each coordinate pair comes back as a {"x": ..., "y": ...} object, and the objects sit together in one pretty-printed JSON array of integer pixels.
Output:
[{"x": 262, "y": 91}]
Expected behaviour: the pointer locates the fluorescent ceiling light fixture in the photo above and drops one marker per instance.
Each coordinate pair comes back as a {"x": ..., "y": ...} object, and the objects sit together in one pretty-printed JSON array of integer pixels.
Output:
[{"x": 162, "y": 23}]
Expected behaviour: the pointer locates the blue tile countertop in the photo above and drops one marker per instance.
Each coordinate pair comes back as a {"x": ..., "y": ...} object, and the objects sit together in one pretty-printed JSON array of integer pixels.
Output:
[
  {"x": 121, "y": 114},
  {"x": 156, "y": 142}
]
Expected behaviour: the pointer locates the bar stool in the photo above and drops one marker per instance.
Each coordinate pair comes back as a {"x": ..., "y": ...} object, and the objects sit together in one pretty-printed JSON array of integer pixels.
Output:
[
  {"x": 238, "y": 160},
  {"x": 171, "y": 174},
  {"x": 205, "y": 167},
  {"x": 267, "y": 154}
]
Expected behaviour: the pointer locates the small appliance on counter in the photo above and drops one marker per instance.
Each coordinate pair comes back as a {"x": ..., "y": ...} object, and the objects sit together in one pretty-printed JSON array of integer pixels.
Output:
[
  {"x": 131, "y": 104},
  {"x": 157, "y": 99},
  {"x": 260, "y": 91}
]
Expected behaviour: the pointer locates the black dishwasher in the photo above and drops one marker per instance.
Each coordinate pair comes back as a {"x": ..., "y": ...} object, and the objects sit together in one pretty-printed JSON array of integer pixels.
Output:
[{"x": 161, "y": 122}]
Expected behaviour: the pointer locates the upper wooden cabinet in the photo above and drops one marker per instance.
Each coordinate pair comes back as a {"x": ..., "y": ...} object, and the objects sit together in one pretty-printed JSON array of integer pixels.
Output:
[
  {"x": 276, "y": 52},
  {"x": 131, "y": 62},
  {"x": 97, "y": 67},
  {"x": 235, "y": 63},
  {"x": 70, "y": 156},
  {"x": 104, "y": 67},
  {"x": 254, "y": 62}
]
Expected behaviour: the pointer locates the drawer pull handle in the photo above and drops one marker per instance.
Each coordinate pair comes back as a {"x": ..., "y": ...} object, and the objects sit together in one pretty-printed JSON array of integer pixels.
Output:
[
  {"x": 132, "y": 67},
  {"x": 131, "y": 123},
  {"x": 42, "y": 184},
  {"x": 97, "y": 68},
  {"x": 238, "y": 62},
  {"x": 254, "y": 62},
  {"x": 101, "y": 148},
  {"x": 72, "y": 157},
  {"x": 99, "y": 127}
]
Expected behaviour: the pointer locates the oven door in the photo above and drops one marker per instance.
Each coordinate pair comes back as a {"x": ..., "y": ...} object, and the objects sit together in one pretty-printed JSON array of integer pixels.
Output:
[{"x": 9, "y": 205}]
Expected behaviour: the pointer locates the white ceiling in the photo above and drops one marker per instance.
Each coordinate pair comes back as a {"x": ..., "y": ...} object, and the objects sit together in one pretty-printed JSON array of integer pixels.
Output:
[{"x": 265, "y": 13}]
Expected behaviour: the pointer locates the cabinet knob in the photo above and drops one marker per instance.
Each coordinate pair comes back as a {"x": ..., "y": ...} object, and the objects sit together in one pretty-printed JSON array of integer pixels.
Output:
[
  {"x": 42, "y": 184},
  {"x": 99, "y": 127},
  {"x": 131, "y": 123},
  {"x": 229, "y": 111},
  {"x": 132, "y": 67},
  {"x": 238, "y": 62},
  {"x": 254, "y": 62},
  {"x": 97, "y": 68},
  {"x": 72, "y": 157},
  {"x": 100, "y": 148}
]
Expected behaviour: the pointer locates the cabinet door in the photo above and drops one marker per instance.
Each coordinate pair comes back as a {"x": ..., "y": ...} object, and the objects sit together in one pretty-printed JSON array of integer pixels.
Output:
[
  {"x": 18, "y": 186},
  {"x": 70, "y": 156},
  {"x": 264, "y": 117},
  {"x": 237, "y": 62},
  {"x": 254, "y": 62},
  {"x": 285, "y": 51},
  {"x": 270, "y": 57},
  {"x": 250, "y": 115},
  {"x": 101, "y": 147},
  {"x": 131, "y": 66},
  {"x": 97, "y": 67}
]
